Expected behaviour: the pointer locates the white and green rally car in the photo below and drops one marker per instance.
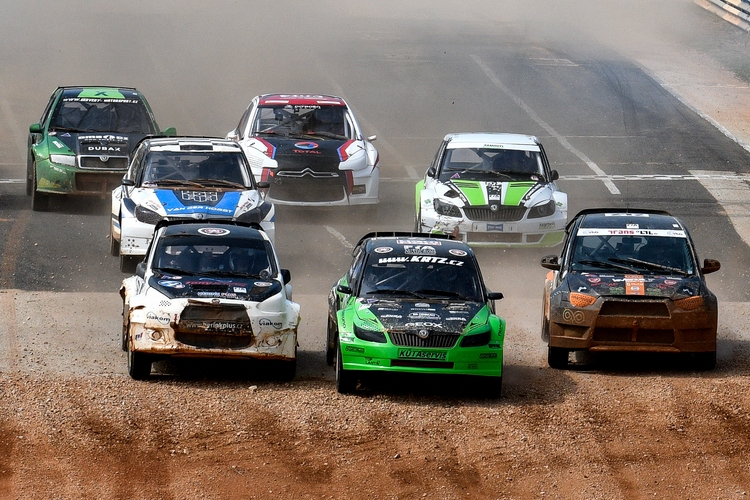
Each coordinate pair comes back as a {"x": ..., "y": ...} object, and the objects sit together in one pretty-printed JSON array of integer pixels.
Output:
[{"x": 492, "y": 189}]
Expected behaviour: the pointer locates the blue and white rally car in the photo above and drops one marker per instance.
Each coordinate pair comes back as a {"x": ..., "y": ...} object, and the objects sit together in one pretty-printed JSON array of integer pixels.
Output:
[{"x": 177, "y": 178}]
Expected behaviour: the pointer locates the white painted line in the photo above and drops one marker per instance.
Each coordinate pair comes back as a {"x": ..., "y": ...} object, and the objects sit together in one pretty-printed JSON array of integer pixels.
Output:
[
  {"x": 703, "y": 175},
  {"x": 733, "y": 194},
  {"x": 12, "y": 181},
  {"x": 339, "y": 237},
  {"x": 562, "y": 140}
]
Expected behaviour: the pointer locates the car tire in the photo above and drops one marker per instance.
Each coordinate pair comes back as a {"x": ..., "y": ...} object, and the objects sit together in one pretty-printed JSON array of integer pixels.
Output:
[
  {"x": 545, "y": 327},
  {"x": 705, "y": 361},
  {"x": 128, "y": 263},
  {"x": 331, "y": 333},
  {"x": 39, "y": 201},
  {"x": 557, "y": 357},
  {"x": 139, "y": 365},
  {"x": 346, "y": 380},
  {"x": 114, "y": 245},
  {"x": 492, "y": 387},
  {"x": 286, "y": 370},
  {"x": 418, "y": 222},
  {"x": 125, "y": 325},
  {"x": 30, "y": 172}
]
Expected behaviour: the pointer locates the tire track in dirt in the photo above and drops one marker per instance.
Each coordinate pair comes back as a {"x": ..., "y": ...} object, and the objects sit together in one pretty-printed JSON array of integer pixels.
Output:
[{"x": 11, "y": 253}]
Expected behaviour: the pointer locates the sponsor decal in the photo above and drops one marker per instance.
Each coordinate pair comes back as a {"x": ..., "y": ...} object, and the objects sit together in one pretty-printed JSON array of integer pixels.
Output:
[
  {"x": 239, "y": 289},
  {"x": 590, "y": 231},
  {"x": 488, "y": 355},
  {"x": 455, "y": 318},
  {"x": 58, "y": 144},
  {"x": 494, "y": 227},
  {"x": 457, "y": 252},
  {"x": 306, "y": 145},
  {"x": 213, "y": 231},
  {"x": 351, "y": 348},
  {"x": 495, "y": 345},
  {"x": 199, "y": 196},
  {"x": 546, "y": 225},
  {"x": 170, "y": 277},
  {"x": 423, "y": 324},
  {"x": 630, "y": 225},
  {"x": 473, "y": 366},
  {"x": 209, "y": 294},
  {"x": 103, "y": 149},
  {"x": 268, "y": 322},
  {"x": 383, "y": 250},
  {"x": 425, "y": 259},
  {"x": 634, "y": 284},
  {"x": 670, "y": 282},
  {"x": 372, "y": 361},
  {"x": 421, "y": 304},
  {"x": 171, "y": 284},
  {"x": 391, "y": 316},
  {"x": 572, "y": 316},
  {"x": 164, "y": 320},
  {"x": 419, "y": 250},
  {"x": 415, "y": 354},
  {"x": 433, "y": 243},
  {"x": 264, "y": 284},
  {"x": 423, "y": 315},
  {"x": 111, "y": 138},
  {"x": 594, "y": 280}
]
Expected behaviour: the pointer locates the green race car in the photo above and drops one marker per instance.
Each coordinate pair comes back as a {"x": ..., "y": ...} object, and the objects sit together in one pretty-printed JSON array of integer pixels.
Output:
[
  {"x": 83, "y": 141},
  {"x": 414, "y": 303}
]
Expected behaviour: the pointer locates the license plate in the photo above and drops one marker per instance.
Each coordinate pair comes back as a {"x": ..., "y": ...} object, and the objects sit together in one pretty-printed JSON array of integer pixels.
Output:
[{"x": 417, "y": 354}]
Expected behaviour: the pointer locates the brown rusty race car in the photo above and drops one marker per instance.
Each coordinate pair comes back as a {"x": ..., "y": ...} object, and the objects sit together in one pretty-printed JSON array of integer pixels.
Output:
[{"x": 628, "y": 280}]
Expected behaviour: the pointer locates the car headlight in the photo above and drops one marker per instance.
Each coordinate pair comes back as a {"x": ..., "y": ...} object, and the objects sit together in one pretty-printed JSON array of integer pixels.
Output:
[
  {"x": 69, "y": 160},
  {"x": 369, "y": 335},
  {"x": 477, "y": 339},
  {"x": 147, "y": 216},
  {"x": 257, "y": 214},
  {"x": 443, "y": 208},
  {"x": 542, "y": 210}
]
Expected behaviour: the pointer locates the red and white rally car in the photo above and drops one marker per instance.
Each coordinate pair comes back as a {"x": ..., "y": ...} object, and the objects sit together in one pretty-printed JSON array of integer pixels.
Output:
[{"x": 310, "y": 149}]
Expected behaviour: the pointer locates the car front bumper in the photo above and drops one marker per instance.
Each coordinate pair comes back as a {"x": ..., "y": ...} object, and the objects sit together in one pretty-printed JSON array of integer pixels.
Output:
[{"x": 65, "y": 179}]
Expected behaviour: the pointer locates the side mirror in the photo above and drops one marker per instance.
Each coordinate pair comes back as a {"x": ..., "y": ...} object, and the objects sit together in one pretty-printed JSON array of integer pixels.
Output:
[
  {"x": 551, "y": 262},
  {"x": 35, "y": 128},
  {"x": 128, "y": 182},
  {"x": 494, "y": 295},
  {"x": 263, "y": 184},
  {"x": 233, "y": 135},
  {"x": 710, "y": 266},
  {"x": 347, "y": 290},
  {"x": 431, "y": 172},
  {"x": 555, "y": 175},
  {"x": 286, "y": 275},
  {"x": 372, "y": 138},
  {"x": 171, "y": 131},
  {"x": 140, "y": 269}
]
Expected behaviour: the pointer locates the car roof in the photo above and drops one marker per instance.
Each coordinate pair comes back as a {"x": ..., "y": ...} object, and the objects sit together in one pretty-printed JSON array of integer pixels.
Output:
[
  {"x": 218, "y": 228},
  {"x": 443, "y": 244},
  {"x": 627, "y": 219},
  {"x": 77, "y": 91},
  {"x": 300, "y": 100},
  {"x": 492, "y": 140},
  {"x": 183, "y": 144}
]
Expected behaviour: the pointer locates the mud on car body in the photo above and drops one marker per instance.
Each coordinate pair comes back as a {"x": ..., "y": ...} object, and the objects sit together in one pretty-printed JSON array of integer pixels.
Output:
[
  {"x": 82, "y": 143},
  {"x": 492, "y": 189},
  {"x": 628, "y": 280},
  {"x": 209, "y": 289},
  {"x": 310, "y": 149},
  {"x": 414, "y": 303},
  {"x": 173, "y": 178}
]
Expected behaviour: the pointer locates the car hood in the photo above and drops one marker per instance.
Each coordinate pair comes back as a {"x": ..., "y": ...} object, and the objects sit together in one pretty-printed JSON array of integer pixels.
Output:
[
  {"x": 483, "y": 193},
  {"x": 177, "y": 286},
  {"x": 211, "y": 202},
  {"x": 437, "y": 315},
  {"x": 94, "y": 144},
  {"x": 631, "y": 285},
  {"x": 303, "y": 149}
]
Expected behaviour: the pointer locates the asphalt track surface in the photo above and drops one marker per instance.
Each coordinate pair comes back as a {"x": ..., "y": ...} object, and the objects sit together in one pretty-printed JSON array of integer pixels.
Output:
[{"x": 413, "y": 72}]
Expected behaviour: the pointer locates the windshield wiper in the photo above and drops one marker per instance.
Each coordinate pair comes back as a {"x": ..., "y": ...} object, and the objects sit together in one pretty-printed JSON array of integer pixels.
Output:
[
  {"x": 171, "y": 270},
  {"x": 654, "y": 265},
  {"x": 66, "y": 129},
  {"x": 175, "y": 182},
  {"x": 389, "y": 291},
  {"x": 607, "y": 265},
  {"x": 220, "y": 182},
  {"x": 442, "y": 293}
]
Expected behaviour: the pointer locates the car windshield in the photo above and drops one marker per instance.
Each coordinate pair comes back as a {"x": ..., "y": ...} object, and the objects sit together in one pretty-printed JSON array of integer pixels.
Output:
[
  {"x": 647, "y": 254},
  {"x": 204, "y": 168},
  {"x": 421, "y": 277},
  {"x": 486, "y": 164},
  {"x": 197, "y": 255},
  {"x": 322, "y": 122},
  {"x": 124, "y": 116}
]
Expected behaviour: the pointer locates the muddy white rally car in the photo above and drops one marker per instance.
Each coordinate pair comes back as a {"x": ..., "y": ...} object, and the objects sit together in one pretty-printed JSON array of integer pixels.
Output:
[{"x": 209, "y": 289}]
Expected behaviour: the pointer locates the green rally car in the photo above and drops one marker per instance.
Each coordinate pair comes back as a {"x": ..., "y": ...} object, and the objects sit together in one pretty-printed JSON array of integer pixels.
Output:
[
  {"x": 83, "y": 141},
  {"x": 416, "y": 303}
]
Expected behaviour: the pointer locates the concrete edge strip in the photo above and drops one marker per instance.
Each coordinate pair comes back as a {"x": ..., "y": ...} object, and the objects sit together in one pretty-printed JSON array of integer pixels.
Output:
[
  {"x": 727, "y": 13},
  {"x": 733, "y": 194}
]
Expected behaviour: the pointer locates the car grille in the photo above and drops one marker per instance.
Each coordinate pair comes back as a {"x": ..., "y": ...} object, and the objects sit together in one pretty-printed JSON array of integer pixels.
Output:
[
  {"x": 641, "y": 308},
  {"x": 306, "y": 189},
  {"x": 435, "y": 339},
  {"x": 96, "y": 162},
  {"x": 506, "y": 214},
  {"x": 634, "y": 321},
  {"x": 212, "y": 327},
  {"x": 627, "y": 335}
]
